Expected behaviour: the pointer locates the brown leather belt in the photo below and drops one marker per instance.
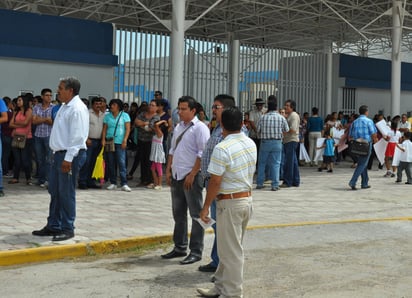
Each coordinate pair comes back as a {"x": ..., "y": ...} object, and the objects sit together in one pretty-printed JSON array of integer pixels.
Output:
[{"x": 236, "y": 195}]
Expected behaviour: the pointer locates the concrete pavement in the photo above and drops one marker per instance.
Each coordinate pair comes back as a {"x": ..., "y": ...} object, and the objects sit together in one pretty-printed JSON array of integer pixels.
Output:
[{"x": 110, "y": 220}]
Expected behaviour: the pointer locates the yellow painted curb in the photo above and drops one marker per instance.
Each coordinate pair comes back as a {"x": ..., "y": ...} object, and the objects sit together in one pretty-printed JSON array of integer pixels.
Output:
[
  {"x": 47, "y": 253},
  {"x": 313, "y": 223},
  {"x": 41, "y": 254}
]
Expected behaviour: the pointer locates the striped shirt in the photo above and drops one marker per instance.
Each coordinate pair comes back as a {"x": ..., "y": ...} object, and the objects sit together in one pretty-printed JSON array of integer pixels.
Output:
[
  {"x": 42, "y": 130},
  {"x": 272, "y": 126},
  {"x": 234, "y": 159},
  {"x": 363, "y": 128},
  {"x": 214, "y": 139}
]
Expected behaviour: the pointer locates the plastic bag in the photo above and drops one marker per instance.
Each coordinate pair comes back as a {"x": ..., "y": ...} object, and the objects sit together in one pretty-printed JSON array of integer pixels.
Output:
[{"x": 98, "y": 171}]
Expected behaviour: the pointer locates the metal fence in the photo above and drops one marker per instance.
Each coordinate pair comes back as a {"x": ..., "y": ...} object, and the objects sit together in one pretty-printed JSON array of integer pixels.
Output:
[{"x": 144, "y": 68}]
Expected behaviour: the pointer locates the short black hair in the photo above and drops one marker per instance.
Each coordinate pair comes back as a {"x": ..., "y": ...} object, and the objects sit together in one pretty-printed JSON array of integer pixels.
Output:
[
  {"x": 226, "y": 100},
  {"x": 272, "y": 103},
  {"x": 96, "y": 99},
  {"x": 232, "y": 119},
  {"x": 407, "y": 135},
  {"x": 315, "y": 110},
  {"x": 43, "y": 91},
  {"x": 117, "y": 101},
  {"x": 292, "y": 104},
  {"x": 191, "y": 102}
]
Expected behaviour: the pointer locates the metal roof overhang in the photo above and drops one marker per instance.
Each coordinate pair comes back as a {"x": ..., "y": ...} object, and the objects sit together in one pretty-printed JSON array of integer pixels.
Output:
[{"x": 306, "y": 25}]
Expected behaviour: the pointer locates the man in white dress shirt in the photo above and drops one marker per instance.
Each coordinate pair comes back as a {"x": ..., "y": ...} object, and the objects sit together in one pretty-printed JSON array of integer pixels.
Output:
[
  {"x": 68, "y": 144},
  {"x": 183, "y": 175}
]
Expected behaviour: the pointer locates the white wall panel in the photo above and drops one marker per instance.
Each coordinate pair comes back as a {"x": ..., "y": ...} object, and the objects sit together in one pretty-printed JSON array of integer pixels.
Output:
[{"x": 35, "y": 75}]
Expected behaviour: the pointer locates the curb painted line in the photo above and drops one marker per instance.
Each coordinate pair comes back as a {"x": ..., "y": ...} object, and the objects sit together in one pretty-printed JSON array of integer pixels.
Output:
[
  {"x": 313, "y": 223},
  {"x": 57, "y": 252},
  {"x": 48, "y": 253}
]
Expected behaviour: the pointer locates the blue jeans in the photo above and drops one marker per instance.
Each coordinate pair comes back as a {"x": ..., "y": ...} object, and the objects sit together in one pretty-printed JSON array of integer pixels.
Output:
[
  {"x": 85, "y": 175},
  {"x": 361, "y": 170},
  {"x": 291, "y": 175},
  {"x": 62, "y": 189},
  {"x": 118, "y": 157},
  {"x": 22, "y": 159},
  {"x": 1, "y": 168},
  {"x": 42, "y": 149},
  {"x": 270, "y": 154},
  {"x": 213, "y": 255},
  {"x": 6, "y": 151},
  {"x": 183, "y": 199}
]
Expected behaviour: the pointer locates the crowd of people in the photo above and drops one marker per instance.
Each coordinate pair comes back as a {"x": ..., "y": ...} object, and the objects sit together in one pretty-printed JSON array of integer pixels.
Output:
[{"x": 64, "y": 139}]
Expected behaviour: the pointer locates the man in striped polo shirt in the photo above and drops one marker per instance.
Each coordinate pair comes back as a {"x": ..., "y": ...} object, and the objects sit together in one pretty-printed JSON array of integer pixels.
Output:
[{"x": 231, "y": 168}]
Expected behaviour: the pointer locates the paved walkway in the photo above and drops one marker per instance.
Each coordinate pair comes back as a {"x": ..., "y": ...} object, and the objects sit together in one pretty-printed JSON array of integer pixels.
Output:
[{"x": 107, "y": 215}]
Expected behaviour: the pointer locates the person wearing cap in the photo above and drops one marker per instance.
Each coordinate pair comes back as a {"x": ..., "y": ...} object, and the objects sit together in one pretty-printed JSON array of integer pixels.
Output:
[{"x": 254, "y": 117}]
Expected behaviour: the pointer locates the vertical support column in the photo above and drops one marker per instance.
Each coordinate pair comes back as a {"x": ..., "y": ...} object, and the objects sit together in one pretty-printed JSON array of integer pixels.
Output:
[
  {"x": 396, "y": 57},
  {"x": 177, "y": 51},
  {"x": 329, "y": 63},
  {"x": 234, "y": 52}
]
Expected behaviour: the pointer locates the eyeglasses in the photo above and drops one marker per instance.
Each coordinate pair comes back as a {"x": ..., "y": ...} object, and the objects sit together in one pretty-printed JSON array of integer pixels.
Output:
[{"x": 216, "y": 107}]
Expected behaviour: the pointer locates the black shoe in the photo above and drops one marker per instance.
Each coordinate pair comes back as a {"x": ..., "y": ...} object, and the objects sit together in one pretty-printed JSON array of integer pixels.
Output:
[
  {"x": 207, "y": 268},
  {"x": 398, "y": 181},
  {"x": 173, "y": 254},
  {"x": 45, "y": 232},
  {"x": 94, "y": 186},
  {"x": 82, "y": 186},
  {"x": 63, "y": 236},
  {"x": 190, "y": 259},
  {"x": 275, "y": 188},
  {"x": 284, "y": 185},
  {"x": 353, "y": 187},
  {"x": 365, "y": 187},
  {"x": 407, "y": 183}
]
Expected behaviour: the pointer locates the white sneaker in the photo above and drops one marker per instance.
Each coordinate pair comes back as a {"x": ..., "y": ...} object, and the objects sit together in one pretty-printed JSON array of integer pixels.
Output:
[
  {"x": 126, "y": 188},
  {"x": 111, "y": 187},
  {"x": 208, "y": 293},
  {"x": 158, "y": 187}
]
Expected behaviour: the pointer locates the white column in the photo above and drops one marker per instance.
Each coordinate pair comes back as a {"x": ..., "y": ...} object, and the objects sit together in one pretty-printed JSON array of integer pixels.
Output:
[
  {"x": 234, "y": 69},
  {"x": 396, "y": 58},
  {"x": 329, "y": 63},
  {"x": 177, "y": 51}
]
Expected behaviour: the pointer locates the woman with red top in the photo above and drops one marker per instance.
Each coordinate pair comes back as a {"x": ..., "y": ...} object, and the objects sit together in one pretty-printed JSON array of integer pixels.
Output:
[{"x": 21, "y": 124}]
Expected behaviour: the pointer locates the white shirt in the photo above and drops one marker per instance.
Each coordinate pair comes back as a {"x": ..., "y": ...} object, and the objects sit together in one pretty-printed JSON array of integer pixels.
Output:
[
  {"x": 95, "y": 124},
  {"x": 70, "y": 128},
  {"x": 406, "y": 156},
  {"x": 190, "y": 147},
  {"x": 405, "y": 124}
]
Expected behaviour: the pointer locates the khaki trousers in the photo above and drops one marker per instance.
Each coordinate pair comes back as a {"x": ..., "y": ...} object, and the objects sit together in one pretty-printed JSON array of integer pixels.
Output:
[{"x": 232, "y": 217}]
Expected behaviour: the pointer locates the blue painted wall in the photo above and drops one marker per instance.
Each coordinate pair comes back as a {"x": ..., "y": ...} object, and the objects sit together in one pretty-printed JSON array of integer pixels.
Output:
[
  {"x": 372, "y": 73},
  {"x": 43, "y": 37}
]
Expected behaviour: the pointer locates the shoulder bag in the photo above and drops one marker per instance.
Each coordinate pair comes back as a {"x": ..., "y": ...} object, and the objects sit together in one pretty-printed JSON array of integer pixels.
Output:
[{"x": 109, "y": 144}]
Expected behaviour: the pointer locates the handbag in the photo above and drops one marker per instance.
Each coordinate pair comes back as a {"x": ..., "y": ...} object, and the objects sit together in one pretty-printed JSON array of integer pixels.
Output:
[
  {"x": 357, "y": 148},
  {"x": 19, "y": 141},
  {"x": 109, "y": 144}
]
